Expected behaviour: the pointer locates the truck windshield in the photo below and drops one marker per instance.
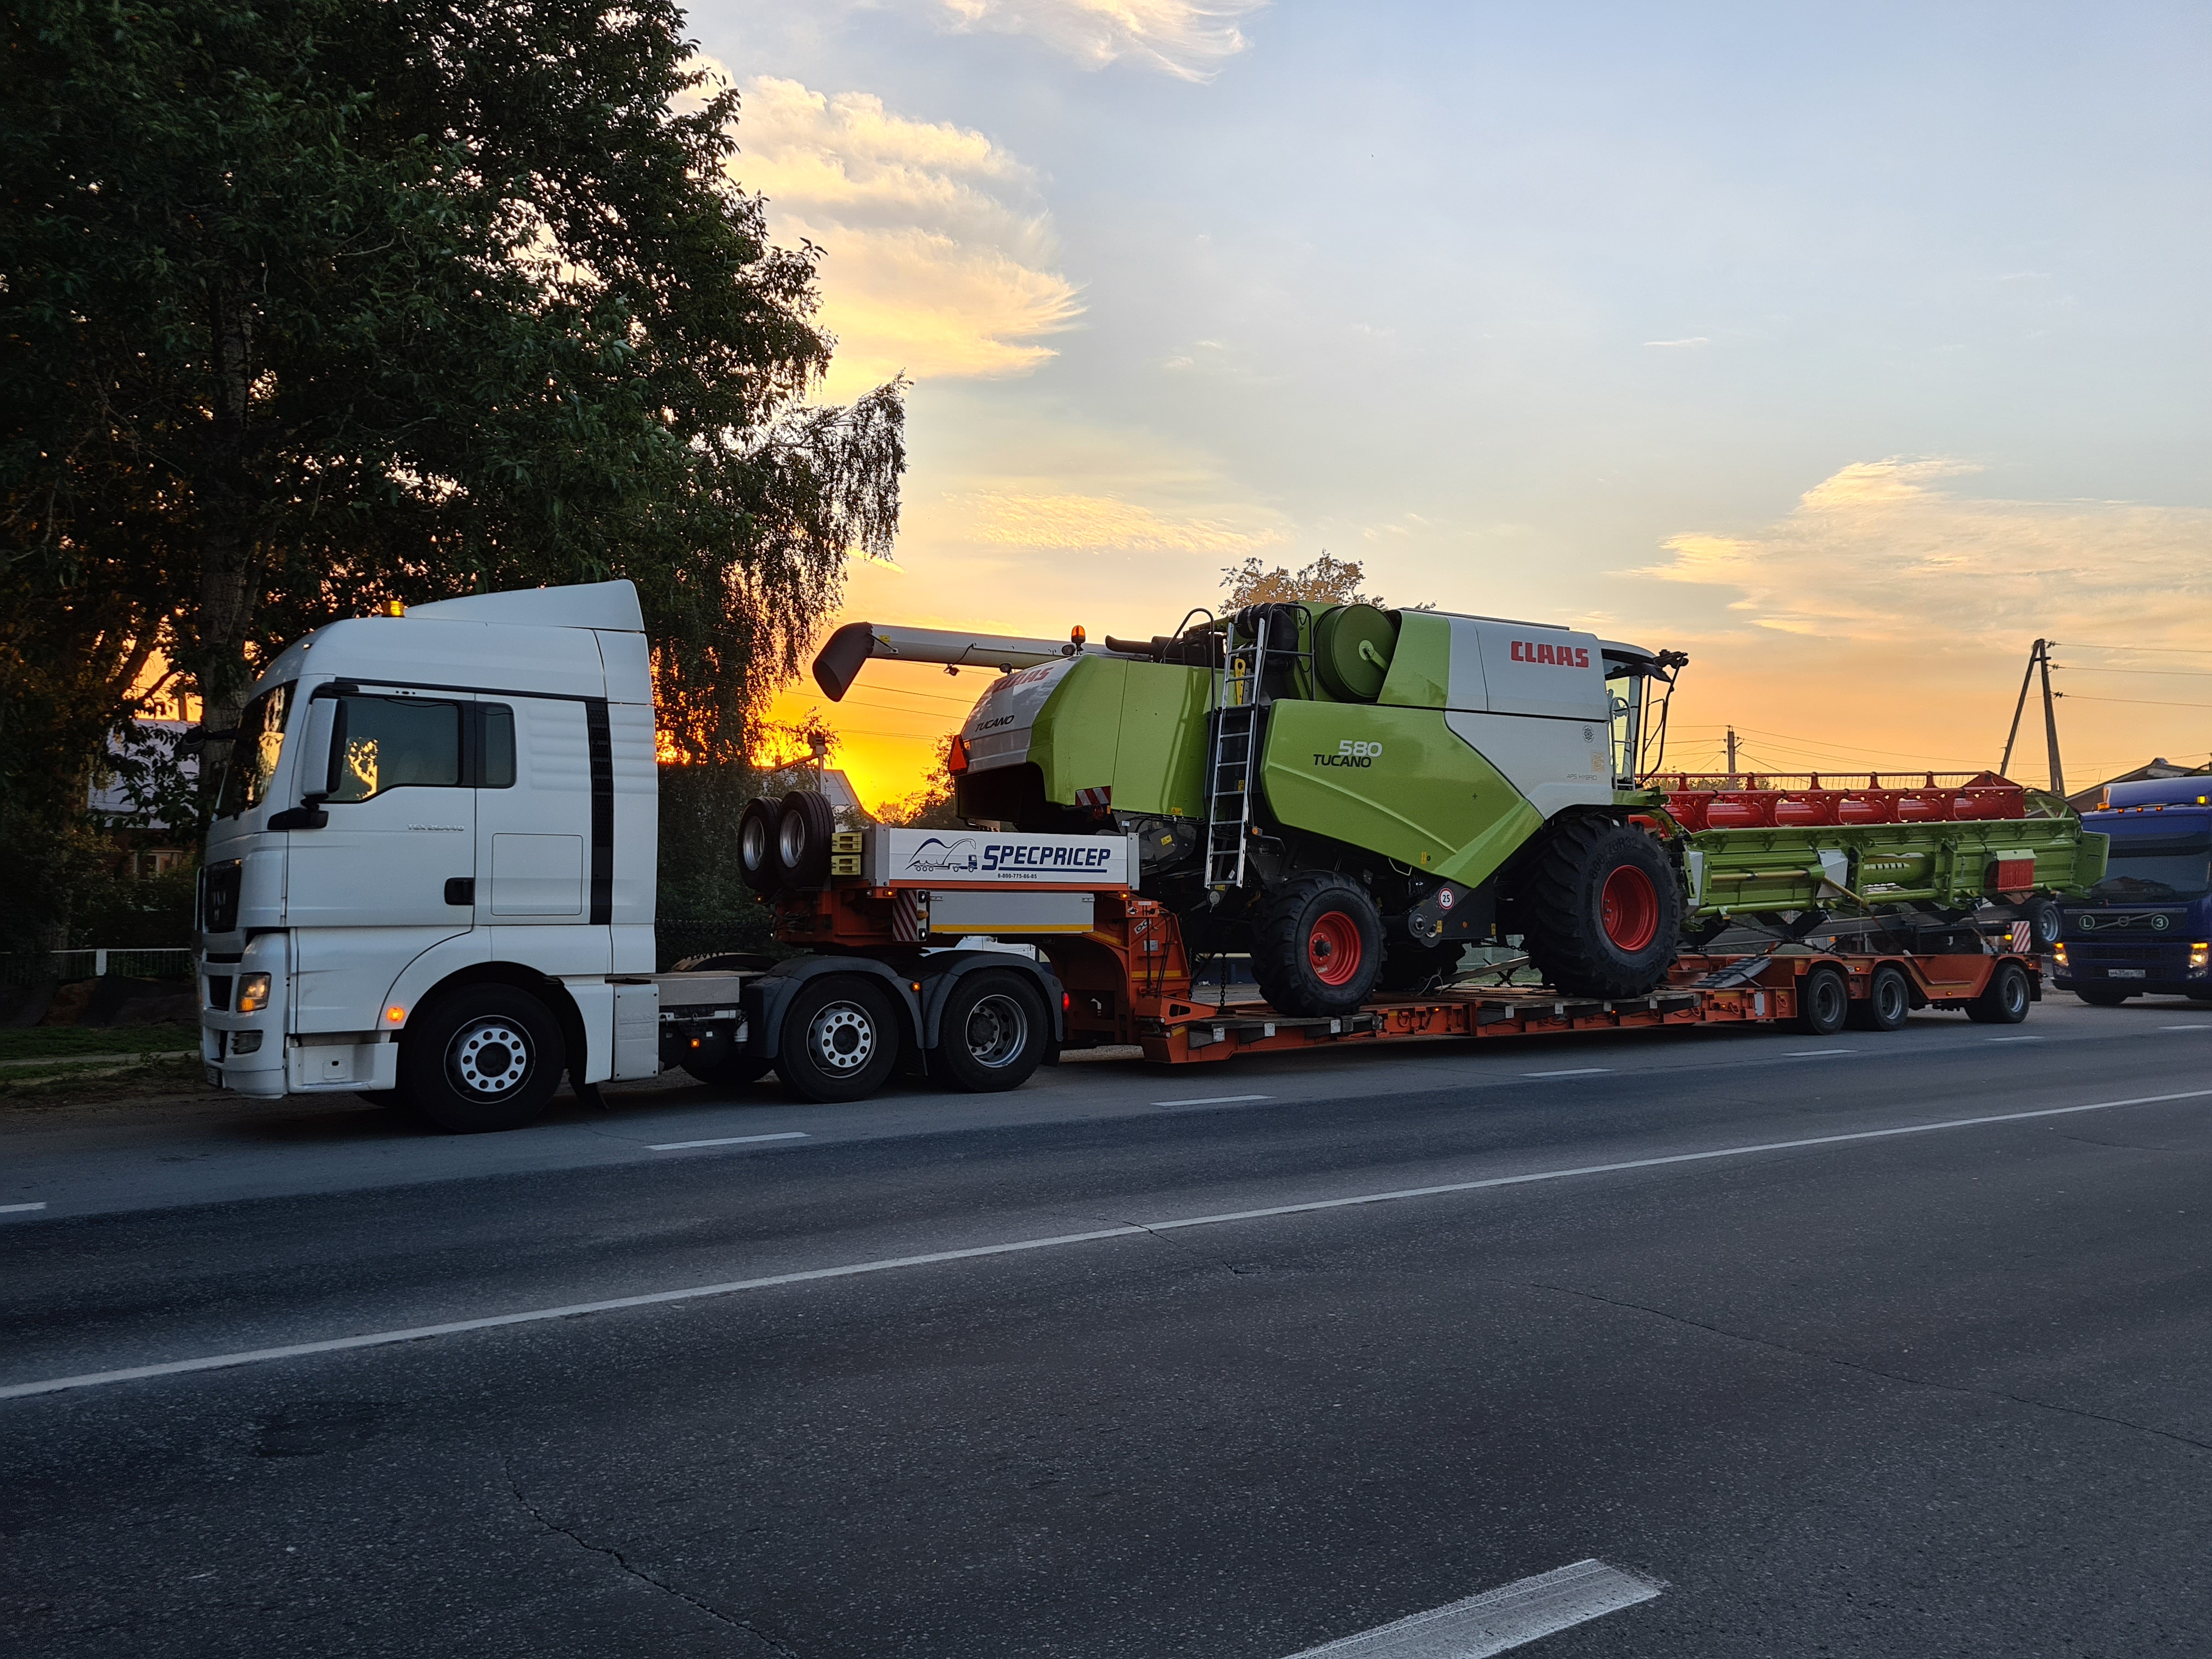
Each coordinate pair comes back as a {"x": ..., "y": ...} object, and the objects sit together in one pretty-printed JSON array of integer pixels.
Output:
[
  {"x": 254, "y": 752},
  {"x": 2163, "y": 867}
]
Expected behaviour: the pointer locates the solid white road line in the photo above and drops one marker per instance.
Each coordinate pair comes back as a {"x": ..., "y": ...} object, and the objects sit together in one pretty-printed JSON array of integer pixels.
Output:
[
  {"x": 2185, "y": 1028},
  {"x": 1508, "y": 1616},
  {"x": 1815, "y": 1054},
  {"x": 17, "y": 1209},
  {"x": 726, "y": 1140},
  {"x": 1211, "y": 1100},
  {"x": 2017, "y": 1039},
  {"x": 851, "y": 1270},
  {"x": 1573, "y": 1071}
]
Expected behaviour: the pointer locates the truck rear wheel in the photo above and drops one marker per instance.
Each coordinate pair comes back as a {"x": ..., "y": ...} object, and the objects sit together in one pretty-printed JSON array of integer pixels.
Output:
[
  {"x": 1599, "y": 908},
  {"x": 1317, "y": 944},
  {"x": 840, "y": 1040},
  {"x": 2004, "y": 1000},
  {"x": 992, "y": 1032},
  {"x": 483, "y": 1058}
]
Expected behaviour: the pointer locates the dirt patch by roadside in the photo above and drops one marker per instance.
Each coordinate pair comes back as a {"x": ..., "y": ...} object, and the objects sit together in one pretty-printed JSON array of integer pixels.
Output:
[{"x": 152, "y": 1083}]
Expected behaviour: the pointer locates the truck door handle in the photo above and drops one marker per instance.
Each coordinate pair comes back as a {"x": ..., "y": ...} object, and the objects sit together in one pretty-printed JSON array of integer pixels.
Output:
[{"x": 461, "y": 889}]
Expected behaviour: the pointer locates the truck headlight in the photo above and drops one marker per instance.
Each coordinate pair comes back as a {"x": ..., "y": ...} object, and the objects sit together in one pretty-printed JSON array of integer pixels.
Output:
[
  {"x": 2200, "y": 957},
  {"x": 253, "y": 993},
  {"x": 2058, "y": 953}
]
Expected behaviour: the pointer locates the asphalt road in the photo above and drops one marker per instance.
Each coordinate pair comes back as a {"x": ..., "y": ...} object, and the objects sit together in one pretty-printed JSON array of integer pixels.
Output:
[{"x": 1732, "y": 1314}]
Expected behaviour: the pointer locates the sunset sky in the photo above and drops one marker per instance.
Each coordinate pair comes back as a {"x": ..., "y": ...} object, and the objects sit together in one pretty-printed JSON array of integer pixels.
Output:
[{"x": 1848, "y": 350}]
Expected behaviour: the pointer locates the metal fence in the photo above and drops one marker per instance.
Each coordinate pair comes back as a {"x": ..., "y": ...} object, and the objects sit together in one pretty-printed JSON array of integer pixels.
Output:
[{"x": 34, "y": 967}]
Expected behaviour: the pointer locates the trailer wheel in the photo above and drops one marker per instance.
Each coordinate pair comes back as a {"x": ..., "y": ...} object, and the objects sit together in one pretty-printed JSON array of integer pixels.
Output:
[
  {"x": 483, "y": 1058},
  {"x": 2045, "y": 920},
  {"x": 757, "y": 844},
  {"x": 1823, "y": 1000},
  {"x": 2102, "y": 999},
  {"x": 1317, "y": 944},
  {"x": 803, "y": 830},
  {"x": 1888, "y": 1000},
  {"x": 2003, "y": 1000},
  {"x": 840, "y": 1039},
  {"x": 993, "y": 1031},
  {"x": 1599, "y": 907}
]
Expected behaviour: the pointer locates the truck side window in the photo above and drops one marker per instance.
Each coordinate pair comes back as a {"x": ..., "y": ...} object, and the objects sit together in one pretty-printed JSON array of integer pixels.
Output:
[
  {"x": 497, "y": 769},
  {"x": 388, "y": 743}
]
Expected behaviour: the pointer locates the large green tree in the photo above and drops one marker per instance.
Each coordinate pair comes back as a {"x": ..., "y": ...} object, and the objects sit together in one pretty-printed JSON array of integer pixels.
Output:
[{"x": 313, "y": 304}]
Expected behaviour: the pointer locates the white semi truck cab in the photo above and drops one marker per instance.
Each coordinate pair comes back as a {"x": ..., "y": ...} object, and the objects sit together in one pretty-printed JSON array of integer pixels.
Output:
[{"x": 431, "y": 875}]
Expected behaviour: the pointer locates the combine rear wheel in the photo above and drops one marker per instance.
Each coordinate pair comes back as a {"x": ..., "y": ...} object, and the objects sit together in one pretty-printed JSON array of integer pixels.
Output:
[
  {"x": 1317, "y": 944},
  {"x": 1599, "y": 908}
]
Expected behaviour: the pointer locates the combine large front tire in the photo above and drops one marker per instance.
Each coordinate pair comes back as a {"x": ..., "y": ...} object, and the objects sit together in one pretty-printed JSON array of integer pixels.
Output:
[
  {"x": 1317, "y": 944},
  {"x": 1599, "y": 908}
]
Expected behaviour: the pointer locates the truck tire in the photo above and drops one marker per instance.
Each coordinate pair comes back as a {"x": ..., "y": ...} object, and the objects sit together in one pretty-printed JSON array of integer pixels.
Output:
[
  {"x": 803, "y": 830},
  {"x": 483, "y": 1058},
  {"x": 2103, "y": 999},
  {"x": 840, "y": 1039},
  {"x": 1888, "y": 1000},
  {"x": 1823, "y": 1000},
  {"x": 992, "y": 1032},
  {"x": 757, "y": 844},
  {"x": 1317, "y": 944},
  {"x": 1412, "y": 968},
  {"x": 1599, "y": 908},
  {"x": 2004, "y": 1000}
]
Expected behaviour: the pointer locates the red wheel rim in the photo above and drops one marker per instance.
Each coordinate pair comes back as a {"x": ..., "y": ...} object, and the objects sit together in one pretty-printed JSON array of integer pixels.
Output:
[
  {"x": 1333, "y": 948},
  {"x": 1630, "y": 909}
]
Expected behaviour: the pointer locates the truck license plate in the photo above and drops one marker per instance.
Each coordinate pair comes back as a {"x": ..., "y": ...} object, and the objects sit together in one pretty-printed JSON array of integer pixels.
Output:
[{"x": 2127, "y": 973}]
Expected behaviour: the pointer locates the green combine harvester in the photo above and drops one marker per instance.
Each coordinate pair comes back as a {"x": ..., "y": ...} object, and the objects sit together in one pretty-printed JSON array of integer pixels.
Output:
[{"x": 1352, "y": 795}]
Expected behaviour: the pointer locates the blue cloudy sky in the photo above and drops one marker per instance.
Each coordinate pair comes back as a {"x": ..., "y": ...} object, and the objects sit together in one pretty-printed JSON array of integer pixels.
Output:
[{"x": 1849, "y": 348}]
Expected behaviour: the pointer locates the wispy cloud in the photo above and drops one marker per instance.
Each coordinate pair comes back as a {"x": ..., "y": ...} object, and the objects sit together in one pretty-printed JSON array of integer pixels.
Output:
[
  {"x": 1077, "y": 523},
  {"x": 1893, "y": 550},
  {"x": 1691, "y": 341},
  {"x": 1181, "y": 38},
  {"x": 940, "y": 253}
]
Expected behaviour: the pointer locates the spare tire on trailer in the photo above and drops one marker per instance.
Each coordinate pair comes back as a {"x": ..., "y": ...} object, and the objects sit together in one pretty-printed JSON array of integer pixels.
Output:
[
  {"x": 803, "y": 830},
  {"x": 1598, "y": 907},
  {"x": 1317, "y": 944},
  {"x": 757, "y": 844}
]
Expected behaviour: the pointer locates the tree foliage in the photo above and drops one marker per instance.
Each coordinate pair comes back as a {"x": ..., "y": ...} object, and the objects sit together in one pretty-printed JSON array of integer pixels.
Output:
[
  {"x": 1325, "y": 581},
  {"x": 313, "y": 305}
]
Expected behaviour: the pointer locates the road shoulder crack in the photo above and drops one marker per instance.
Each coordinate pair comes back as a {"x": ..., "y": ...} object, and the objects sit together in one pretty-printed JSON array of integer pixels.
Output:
[
  {"x": 1900, "y": 1377},
  {"x": 640, "y": 1573}
]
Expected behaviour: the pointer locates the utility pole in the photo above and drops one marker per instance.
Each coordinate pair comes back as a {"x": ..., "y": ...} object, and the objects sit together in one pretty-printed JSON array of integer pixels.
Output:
[
  {"x": 1731, "y": 751},
  {"x": 2038, "y": 659}
]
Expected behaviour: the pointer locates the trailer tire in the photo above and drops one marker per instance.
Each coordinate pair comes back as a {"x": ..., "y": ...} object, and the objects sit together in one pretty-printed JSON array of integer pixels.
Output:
[
  {"x": 757, "y": 844},
  {"x": 993, "y": 1031},
  {"x": 2103, "y": 999},
  {"x": 1888, "y": 1000},
  {"x": 1824, "y": 1000},
  {"x": 803, "y": 830},
  {"x": 1411, "y": 967},
  {"x": 1599, "y": 908},
  {"x": 1317, "y": 944},
  {"x": 2004, "y": 1000},
  {"x": 2045, "y": 920},
  {"x": 840, "y": 1039},
  {"x": 482, "y": 1059}
]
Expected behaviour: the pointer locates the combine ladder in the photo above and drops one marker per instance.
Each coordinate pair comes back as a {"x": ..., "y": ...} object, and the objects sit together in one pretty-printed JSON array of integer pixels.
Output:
[{"x": 1236, "y": 730}]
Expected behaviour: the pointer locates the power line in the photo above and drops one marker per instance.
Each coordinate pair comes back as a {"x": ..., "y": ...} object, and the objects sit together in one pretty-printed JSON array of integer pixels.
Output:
[
  {"x": 2138, "y": 703},
  {"x": 2190, "y": 673},
  {"x": 2164, "y": 650}
]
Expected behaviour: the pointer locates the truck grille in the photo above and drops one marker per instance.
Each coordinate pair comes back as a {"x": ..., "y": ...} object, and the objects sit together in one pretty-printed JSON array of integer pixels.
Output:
[
  {"x": 219, "y": 884},
  {"x": 2101, "y": 952},
  {"x": 218, "y": 992}
]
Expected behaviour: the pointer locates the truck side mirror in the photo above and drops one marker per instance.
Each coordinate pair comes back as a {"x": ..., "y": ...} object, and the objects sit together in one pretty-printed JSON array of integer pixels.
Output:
[{"x": 318, "y": 755}]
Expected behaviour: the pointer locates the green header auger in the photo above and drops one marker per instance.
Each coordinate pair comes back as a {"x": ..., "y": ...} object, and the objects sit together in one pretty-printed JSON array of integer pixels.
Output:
[{"x": 1351, "y": 794}]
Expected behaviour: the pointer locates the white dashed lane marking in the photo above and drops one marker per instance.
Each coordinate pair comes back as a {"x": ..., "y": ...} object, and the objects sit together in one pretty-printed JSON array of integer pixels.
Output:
[
  {"x": 1213, "y": 1100},
  {"x": 1498, "y": 1620},
  {"x": 726, "y": 1140},
  {"x": 1573, "y": 1071}
]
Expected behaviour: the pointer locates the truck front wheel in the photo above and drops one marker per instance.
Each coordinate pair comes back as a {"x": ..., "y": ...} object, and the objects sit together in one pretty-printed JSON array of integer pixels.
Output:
[
  {"x": 481, "y": 1058},
  {"x": 840, "y": 1039}
]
